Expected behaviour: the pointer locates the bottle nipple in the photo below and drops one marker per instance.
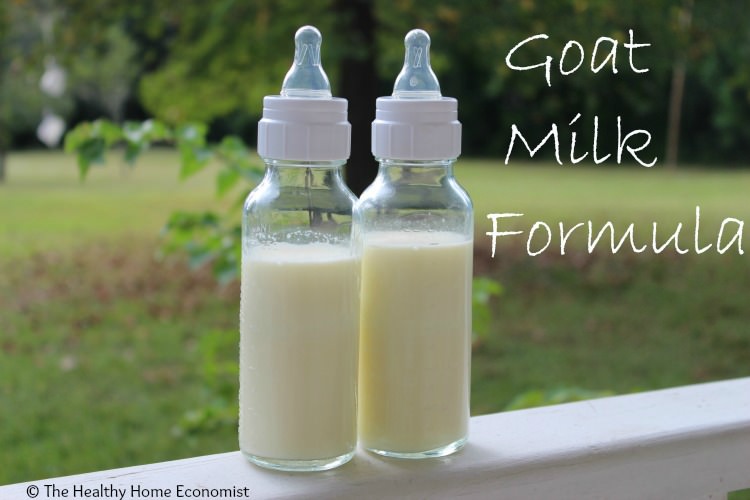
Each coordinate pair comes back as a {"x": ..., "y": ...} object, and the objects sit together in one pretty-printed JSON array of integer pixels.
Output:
[
  {"x": 417, "y": 80},
  {"x": 306, "y": 77}
]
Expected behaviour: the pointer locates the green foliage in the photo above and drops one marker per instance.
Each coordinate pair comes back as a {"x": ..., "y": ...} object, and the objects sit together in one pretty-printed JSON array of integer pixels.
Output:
[
  {"x": 206, "y": 237},
  {"x": 484, "y": 290},
  {"x": 21, "y": 67},
  {"x": 225, "y": 57},
  {"x": 214, "y": 63},
  {"x": 90, "y": 141},
  {"x": 96, "y": 53},
  {"x": 220, "y": 369},
  {"x": 103, "y": 74}
]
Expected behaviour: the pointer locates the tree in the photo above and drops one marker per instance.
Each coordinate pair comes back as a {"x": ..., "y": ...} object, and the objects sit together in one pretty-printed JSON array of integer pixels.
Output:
[
  {"x": 358, "y": 84},
  {"x": 222, "y": 64},
  {"x": 4, "y": 139},
  {"x": 22, "y": 44},
  {"x": 103, "y": 75},
  {"x": 96, "y": 59},
  {"x": 214, "y": 63},
  {"x": 677, "y": 89}
]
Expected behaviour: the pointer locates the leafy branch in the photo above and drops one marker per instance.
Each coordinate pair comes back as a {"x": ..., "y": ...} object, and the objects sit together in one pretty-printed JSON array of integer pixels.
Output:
[{"x": 206, "y": 237}]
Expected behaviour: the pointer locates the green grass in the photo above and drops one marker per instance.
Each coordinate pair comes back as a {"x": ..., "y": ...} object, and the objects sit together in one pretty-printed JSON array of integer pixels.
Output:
[
  {"x": 44, "y": 206},
  {"x": 100, "y": 359},
  {"x": 598, "y": 321},
  {"x": 551, "y": 192},
  {"x": 620, "y": 324},
  {"x": 106, "y": 353},
  {"x": 621, "y": 194}
]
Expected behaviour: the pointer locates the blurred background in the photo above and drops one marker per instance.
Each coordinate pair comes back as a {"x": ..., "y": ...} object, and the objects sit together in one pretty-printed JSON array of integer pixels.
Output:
[
  {"x": 118, "y": 289},
  {"x": 183, "y": 61}
]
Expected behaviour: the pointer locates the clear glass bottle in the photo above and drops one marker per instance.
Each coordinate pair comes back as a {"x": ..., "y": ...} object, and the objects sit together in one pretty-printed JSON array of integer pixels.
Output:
[
  {"x": 299, "y": 307},
  {"x": 416, "y": 228}
]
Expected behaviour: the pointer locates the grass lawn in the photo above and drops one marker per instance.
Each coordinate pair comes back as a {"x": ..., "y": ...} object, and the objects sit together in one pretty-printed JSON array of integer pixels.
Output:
[
  {"x": 45, "y": 206},
  {"x": 110, "y": 358}
]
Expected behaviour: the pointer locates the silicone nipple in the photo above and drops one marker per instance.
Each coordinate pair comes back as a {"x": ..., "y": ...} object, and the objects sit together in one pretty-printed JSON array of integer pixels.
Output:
[
  {"x": 306, "y": 77},
  {"x": 417, "y": 80}
]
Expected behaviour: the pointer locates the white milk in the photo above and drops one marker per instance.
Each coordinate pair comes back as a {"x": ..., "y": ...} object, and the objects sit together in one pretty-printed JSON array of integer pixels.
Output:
[
  {"x": 299, "y": 315},
  {"x": 415, "y": 340}
]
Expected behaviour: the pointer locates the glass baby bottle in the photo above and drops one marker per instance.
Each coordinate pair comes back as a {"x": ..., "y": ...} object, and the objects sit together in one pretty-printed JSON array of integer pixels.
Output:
[
  {"x": 416, "y": 228},
  {"x": 299, "y": 306}
]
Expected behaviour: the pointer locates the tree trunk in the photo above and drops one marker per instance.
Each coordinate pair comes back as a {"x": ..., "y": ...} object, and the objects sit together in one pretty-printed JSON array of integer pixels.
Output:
[
  {"x": 685, "y": 17},
  {"x": 675, "y": 112},
  {"x": 358, "y": 84}
]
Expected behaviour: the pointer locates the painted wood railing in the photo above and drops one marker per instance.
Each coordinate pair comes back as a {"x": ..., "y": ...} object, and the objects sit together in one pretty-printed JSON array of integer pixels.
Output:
[{"x": 684, "y": 443}]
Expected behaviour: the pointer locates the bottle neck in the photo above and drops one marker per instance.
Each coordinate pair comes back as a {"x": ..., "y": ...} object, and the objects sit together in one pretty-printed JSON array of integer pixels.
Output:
[
  {"x": 423, "y": 172},
  {"x": 306, "y": 174}
]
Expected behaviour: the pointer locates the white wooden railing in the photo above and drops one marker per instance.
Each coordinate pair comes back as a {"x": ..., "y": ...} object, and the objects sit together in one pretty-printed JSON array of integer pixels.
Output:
[{"x": 688, "y": 443}]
